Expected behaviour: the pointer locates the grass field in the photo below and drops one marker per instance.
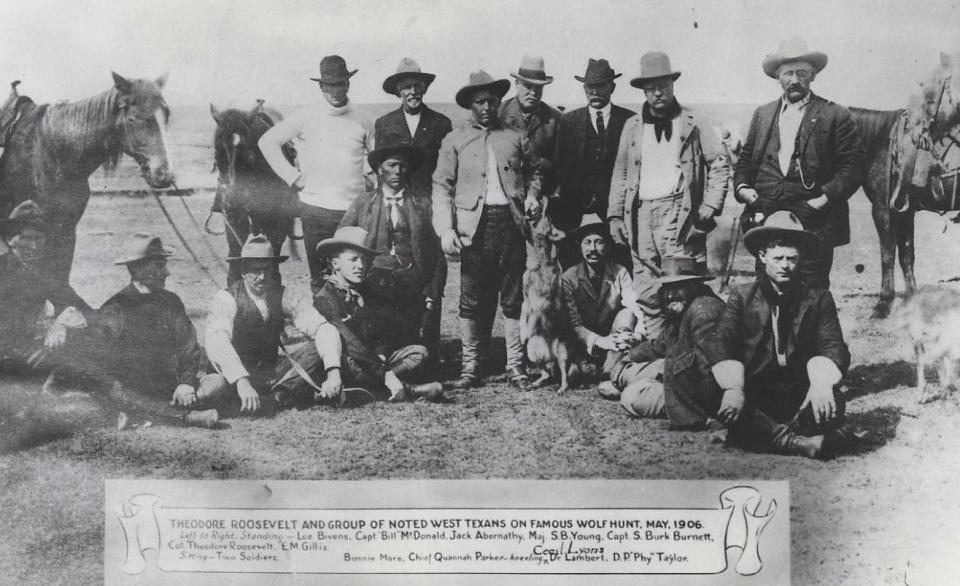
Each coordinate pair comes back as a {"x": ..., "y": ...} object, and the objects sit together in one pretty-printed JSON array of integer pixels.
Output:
[{"x": 864, "y": 518}]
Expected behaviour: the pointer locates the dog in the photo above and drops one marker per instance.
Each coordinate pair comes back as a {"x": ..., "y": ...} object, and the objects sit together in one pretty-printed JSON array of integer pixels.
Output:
[
  {"x": 931, "y": 317},
  {"x": 544, "y": 328}
]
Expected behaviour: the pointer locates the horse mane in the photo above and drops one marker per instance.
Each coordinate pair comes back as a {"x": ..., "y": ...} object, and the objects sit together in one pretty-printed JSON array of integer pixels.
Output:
[
  {"x": 77, "y": 128},
  {"x": 874, "y": 126}
]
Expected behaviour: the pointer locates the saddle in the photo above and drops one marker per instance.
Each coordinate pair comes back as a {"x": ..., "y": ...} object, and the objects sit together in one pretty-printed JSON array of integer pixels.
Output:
[
  {"x": 916, "y": 168},
  {"x": 12, "y": 111}
]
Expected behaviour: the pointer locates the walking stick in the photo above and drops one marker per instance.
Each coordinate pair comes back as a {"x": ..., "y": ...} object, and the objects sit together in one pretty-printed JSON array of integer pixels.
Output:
[{"x": 735, "y": 225}]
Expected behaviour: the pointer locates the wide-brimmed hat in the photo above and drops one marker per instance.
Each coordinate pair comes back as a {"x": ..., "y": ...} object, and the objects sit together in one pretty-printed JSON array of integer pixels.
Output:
[
  {"x": 791, "y": 50},
  {"x": 333, "y": 69},
  {"x": 532, "y": 70},
  {"x": 785, "y": 225},
  {"x": 257, "y": 247},
  {"x": 26, "y": 214},
  {"x": 679, "y": 268},
  {"x": 654, "y": 65},
  {"x": 142, "y": 246},
  {"x": 481, "y": 80},
  {"x": 353, "y": 237},
  {"x": 407, "y": 68},
  {"x": 412, "y": 154},
  {"x": 590, "y": 224},
  {"x": 598, "y": 71}
]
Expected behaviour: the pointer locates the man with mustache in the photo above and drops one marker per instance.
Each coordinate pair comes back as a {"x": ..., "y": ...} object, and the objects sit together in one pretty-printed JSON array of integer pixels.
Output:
[
  {"x": 586, "y": 149},
  {"x": 671, "y": 376},
  {"x": 802, "y": 154},
  {"x": 413, "y": 123},
  {"x": 669, "y": 181},
  {"x": 375, "y": 357}
]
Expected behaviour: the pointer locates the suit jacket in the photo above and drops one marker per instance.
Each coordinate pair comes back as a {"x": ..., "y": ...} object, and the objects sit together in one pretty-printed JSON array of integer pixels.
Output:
[
  {"x": 704, "y": 170},
  {"x": 590, "y": 312},
  {"x": 746, "y": 327},
  {"x": 571, "y": 142},
  {"x": 460, "y": 181},
  {"x": 539, "y": 137},
  {"x": 369, "y": 213},
  {"x": 391, "y": 130},
  {"x": 830, "y": 155}
]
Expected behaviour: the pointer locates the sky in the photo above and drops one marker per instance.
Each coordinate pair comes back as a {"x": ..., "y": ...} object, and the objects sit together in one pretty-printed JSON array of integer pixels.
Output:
[{"x": 231, "y": 52}]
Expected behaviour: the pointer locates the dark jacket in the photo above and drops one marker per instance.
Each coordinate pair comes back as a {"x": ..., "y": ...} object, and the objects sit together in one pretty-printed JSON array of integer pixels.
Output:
[
  {"x": 539, "y": 138},
  {"x": 391, "y": 130},
  {"x": 830, "y": 156},
  {"x": 745, "y": 333},
  {"x": 370, "y": 214},
  {"x": 571, "y": 157},
  {"x": 691, "y": 394},
  {"x": 152, "y": 344}
]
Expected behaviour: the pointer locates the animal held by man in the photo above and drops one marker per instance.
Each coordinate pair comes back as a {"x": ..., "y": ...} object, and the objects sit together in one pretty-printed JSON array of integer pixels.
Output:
[
  {"x": 931, "y": 317},
  {"x": 550, "y": 341}
]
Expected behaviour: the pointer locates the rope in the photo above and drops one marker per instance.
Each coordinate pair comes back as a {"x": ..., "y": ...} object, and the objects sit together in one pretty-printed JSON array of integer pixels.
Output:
[
  {"x": 183, "y": 241},
  {"x": 196, "y": 224}
]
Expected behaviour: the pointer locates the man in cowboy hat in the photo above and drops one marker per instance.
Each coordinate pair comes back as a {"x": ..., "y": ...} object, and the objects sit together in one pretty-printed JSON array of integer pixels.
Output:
[
  {"x": 25, "y": 335},
  {"x": 375, "y": 355},
  {"x": 802, "y": 154},
  {"x": 669, "y": 181},
  {"x": 244, "y": 339},
  {"x": 538, "y": 122},
  {"x": 600, "y": 300},
  {"x": 332, "y": 140},
  {"x": 483, "y": 189},
  {"x": 406, "y": 279},
  {"x": 778, "y": 350},
  {"x": 671, "y": 376},
  {"x": 413, "y": 123},
  {"x": 586, "y": 149},
  {"x": 142, "y": 348}
]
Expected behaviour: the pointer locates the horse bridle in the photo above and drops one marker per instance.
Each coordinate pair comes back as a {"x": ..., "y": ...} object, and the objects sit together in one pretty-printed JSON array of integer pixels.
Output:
[{"x": 124, "y": 123}]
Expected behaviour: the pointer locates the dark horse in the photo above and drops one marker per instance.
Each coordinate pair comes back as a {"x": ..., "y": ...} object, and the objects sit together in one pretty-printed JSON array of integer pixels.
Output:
[
  {"x": 253, "y": 199},
  {"x": 50, "y": 151},
  {"x": 938, "y": 114}
]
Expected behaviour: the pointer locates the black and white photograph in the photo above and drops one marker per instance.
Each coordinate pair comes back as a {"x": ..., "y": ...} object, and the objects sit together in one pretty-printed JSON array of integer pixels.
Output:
[{"x": 407, "y": 292}]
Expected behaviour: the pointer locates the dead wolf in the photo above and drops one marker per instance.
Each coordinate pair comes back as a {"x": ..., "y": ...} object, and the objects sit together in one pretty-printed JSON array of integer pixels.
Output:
[{"x": 931, "y": 317}]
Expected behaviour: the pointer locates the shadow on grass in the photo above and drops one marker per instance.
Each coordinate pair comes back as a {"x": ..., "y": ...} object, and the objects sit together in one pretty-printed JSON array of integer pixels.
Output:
[
  {"x": 867, "y": 379},
  {"x": 881, "y": 427}
]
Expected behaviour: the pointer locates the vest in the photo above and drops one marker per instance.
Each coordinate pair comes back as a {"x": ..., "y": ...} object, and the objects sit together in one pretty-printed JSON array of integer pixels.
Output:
[
  {"x": 255, "y": 340},
  {"x": 596, "y": 168},
  {"x": 770, "y": 182}
]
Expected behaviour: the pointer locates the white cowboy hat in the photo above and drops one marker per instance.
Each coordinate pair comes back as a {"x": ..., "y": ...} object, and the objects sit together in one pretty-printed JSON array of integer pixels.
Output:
[{"x": 791, "y": 50}]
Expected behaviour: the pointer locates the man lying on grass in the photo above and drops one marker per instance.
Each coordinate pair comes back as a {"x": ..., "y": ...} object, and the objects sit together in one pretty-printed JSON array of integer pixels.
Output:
[
  {"x": 244, "y": 340},
  {"x": 375, "y": 355}
]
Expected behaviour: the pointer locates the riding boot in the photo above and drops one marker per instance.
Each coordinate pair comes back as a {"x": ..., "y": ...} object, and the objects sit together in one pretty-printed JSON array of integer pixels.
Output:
[
  {"x": 515, "y": 352},
  {"x": 792, "y": 444},
  {"x": 470, "y": 360},
  {"x": 759, "y": 430}
]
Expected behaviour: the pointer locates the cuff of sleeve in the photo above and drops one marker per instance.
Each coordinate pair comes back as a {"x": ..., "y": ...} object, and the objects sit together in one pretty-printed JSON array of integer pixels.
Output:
[
  {"x": 823, "y": 372},
  {"x": 234, "y": 373},
  {"x": 591, "y": 342}
]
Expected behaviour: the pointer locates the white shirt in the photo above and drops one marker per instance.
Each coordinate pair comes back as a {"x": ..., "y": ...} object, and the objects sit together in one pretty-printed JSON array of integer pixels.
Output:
[
  {"x": 495, "y": 194},
  {"x": 393, "y": 210},
  {"x": 660, "y": 172},
  {"x": 605, "y": 112},
  {"x": 791, "y": 115},
  {"x": 413, "y": 120},
  {"x": 218, "y": 334},
  {"x": 332, "y": 146}
]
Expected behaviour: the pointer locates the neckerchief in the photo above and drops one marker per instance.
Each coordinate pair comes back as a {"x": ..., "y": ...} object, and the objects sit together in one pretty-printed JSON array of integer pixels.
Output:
[
  {"x": 349, "y": 293},
  {"x": 783, "y": 307},
  {"x": 662, "y": 126}
]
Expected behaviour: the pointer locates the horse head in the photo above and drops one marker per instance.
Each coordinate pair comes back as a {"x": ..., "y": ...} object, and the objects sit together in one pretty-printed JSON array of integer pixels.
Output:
[
  {"x": 941, "y": 96},
  {"x": 235, "y": 141},
  {"x": 143, "y": 125}
]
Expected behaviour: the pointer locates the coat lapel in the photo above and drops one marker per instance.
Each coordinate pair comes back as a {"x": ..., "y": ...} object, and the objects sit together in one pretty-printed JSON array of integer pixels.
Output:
[
  {"x": 765, "y": 119},
  {"x": 686, "y": 124},
  {"x": 811, "y": 116},
  {"x": 399, "y": 122}
]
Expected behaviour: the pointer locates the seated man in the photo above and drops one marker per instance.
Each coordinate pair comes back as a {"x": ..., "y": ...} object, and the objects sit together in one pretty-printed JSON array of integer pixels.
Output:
[
  {"x": 406, "y": 279},
  {"x": 25, "y": 335},
  {"x": 671, "y": 375},
  {"x": 372, "y": 357},
  {"x": 599, "y": 298},
  {"x": 244, "y": 339},
  {"x": 778, "y": 351}
]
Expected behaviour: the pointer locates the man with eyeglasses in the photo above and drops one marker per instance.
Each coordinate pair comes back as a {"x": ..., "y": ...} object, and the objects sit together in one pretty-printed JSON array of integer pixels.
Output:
[{"x": 802, "y": 155}]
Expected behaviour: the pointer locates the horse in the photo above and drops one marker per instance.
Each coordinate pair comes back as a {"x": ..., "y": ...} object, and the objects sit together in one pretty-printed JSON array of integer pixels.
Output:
[
  {"x": 253, "y": 199},
  {"x": 50, "y": 151},
  {"x": 934, "y": 117}
]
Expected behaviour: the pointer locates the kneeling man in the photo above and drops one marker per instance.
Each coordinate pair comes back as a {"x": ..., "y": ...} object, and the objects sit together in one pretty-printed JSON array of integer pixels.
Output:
[
  {"x": 244, "y": 339},
  {"x": 778, "y": 351},
  {"x": 375, "y": 356}
]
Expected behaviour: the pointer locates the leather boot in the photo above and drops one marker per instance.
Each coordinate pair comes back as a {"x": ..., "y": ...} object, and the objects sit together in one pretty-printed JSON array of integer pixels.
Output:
[
  {"x": 789, "y": 443},
  {"x": 515, "y": 353},
  {"x": 432, "y": 392},
  {"x": 470, "y": 360}
]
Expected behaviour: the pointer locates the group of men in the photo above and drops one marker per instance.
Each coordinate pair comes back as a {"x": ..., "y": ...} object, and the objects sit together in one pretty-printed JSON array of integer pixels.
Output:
[{"x": 383, "y": 204}]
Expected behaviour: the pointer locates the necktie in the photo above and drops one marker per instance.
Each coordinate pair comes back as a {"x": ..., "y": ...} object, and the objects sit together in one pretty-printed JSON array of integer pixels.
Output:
[
  {"x": 601, "y": 127},
  {"x": 393, "y": 203}
]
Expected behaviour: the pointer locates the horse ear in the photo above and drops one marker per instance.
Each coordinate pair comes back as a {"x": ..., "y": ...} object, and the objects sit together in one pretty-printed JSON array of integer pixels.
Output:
[
  {"x": 259, "y": 107},
  {"x": 121, "y": 83},
  {"x": 215, "y": 113},
  {"x": 162, "y": 80}
]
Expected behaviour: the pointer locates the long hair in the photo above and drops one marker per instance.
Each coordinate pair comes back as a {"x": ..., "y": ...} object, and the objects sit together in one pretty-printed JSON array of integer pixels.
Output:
[{"x": 82, "y": 128}]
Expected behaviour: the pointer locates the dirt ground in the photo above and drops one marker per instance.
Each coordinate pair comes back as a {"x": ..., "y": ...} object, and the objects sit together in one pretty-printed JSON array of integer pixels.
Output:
[{"x": 886, "y": 514}]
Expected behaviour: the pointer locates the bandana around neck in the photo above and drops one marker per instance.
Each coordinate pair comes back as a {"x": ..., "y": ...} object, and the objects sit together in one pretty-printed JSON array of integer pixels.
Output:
[{"x": 662, "y": 126}]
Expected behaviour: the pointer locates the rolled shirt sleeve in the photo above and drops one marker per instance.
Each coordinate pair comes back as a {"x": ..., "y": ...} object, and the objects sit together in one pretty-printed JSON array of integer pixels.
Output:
[{"x": 308, "y": 320}]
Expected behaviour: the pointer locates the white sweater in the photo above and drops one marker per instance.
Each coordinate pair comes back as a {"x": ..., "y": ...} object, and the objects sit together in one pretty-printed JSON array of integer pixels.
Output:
[{"x": 332, "y": 146}]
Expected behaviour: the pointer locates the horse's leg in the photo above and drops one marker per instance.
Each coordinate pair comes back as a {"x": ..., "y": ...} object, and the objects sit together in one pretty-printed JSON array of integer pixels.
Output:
[
  {"x": 904, "y": 230},
  {"x": 888, "y": 250},
  {"x": 238, "y": 228}
]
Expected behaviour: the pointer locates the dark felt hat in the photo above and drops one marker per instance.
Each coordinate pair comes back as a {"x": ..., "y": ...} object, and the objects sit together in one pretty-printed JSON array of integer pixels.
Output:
[
  {"x": 142, "y": 246},
  {"x": 481, "y": 80},
  {"x": 413, "y": 156},
  {"x": 598, "y": 71},
  {"x": 26, "y": 214},
  {"x": 333, "y": 69},
  {"x": 675, "y": 269}
]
